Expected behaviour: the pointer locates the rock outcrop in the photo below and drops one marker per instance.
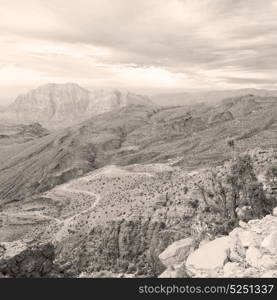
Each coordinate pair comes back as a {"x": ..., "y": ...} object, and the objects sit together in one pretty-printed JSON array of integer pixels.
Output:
[
  {"x": 209, "y": 258},
  {"x": 177, "y": 252},
  {"x": 17, "y": 260},
  {"x": 248, "y": 251}
]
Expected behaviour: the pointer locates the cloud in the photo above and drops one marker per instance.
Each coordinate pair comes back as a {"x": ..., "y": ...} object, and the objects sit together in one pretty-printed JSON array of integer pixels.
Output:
[{"x": 176, "y": 43}]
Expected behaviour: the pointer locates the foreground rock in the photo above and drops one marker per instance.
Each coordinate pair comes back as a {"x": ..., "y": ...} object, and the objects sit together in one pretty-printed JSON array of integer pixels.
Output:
[
  {"x": 208, "y": 259},
  {"x": 17, "y": 260},
  {"x": 248, "y": 251},
  {"x": 177, "y": 252}
]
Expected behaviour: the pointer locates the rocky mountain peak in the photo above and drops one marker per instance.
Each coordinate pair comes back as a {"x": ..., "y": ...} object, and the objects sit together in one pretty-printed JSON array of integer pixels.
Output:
[{"x": 67, "y": 104}]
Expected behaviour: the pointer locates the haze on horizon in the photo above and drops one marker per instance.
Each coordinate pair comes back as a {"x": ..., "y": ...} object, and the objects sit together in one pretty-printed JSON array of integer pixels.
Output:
[{"x": 146, "y": 44}]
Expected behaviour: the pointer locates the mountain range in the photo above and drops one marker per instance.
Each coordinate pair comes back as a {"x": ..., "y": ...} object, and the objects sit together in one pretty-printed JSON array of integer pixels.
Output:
[
  {"x": 210, "y": 97},
  {"x": 109, "y": 179},
  {"x": 62, "y": 105}
]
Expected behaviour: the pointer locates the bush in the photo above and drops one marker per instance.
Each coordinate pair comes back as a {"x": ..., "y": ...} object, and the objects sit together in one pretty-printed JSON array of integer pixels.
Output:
[{"x": 223, "y": 195}]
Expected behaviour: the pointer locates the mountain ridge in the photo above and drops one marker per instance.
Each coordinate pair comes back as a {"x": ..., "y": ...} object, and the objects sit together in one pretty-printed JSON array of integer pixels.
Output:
[{"x": 62, "y": 105}]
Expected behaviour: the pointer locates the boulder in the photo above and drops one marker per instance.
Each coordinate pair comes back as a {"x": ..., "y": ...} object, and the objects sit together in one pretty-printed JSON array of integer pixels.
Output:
[
  {"x": 253, "y": 256},
  {"x": 268, "y": 262},
  {"x": 171, "y": 272},
  {"x": 237, "y": 251},
  {"x": 177, "y": 252},
  {"x": 270, "y": 274},
  {"x": 210, "y": 258},
  {"x": 274, "y": 212},
  {"x": 269, "y": 244},
  {"x": 233, "y": 270}
]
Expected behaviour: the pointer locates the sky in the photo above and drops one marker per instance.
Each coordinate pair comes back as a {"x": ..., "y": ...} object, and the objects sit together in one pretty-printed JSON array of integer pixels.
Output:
[{"x": 147, "y": 44}]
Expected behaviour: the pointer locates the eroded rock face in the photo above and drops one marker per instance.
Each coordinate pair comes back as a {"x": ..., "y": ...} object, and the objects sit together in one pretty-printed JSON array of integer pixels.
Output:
[{"x": 17, "y": 260}]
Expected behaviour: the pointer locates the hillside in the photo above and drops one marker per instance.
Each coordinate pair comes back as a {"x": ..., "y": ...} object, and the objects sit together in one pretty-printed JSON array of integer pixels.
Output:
[
  {"x": 119, "y": 219},
  {"x": 11, "y": 134},
  {"x": 195, "y": 135},
  {"x": 62, "y": 105}
]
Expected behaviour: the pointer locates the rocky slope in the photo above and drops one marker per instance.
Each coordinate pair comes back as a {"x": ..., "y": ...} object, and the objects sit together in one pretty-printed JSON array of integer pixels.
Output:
[
  {"x": 11, "y": 134},
  {"x": 248, "y": 251},
  {"x": 139, "y": 134},
  {"x": 17, "y": 260},
  {"x": 61, "y": 105},
  {"x": 117, "y": 220}
]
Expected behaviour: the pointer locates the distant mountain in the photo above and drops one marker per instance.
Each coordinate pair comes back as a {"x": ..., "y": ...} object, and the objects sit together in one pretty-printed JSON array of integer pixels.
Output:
[
  {"x": 188, "y": 98},
  {"x": 67, "y": 104}
]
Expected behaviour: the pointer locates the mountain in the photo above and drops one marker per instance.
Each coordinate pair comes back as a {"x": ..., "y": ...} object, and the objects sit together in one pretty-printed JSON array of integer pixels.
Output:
[
  {"x": 188, "y": 98},
  {"x": 111, "y": 193},
  {"x": 61, "y": 105},
  {"x": 196, "y": 135}
]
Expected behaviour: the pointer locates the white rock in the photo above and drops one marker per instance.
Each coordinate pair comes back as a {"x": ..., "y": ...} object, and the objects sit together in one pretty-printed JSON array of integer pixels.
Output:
[
  {"x": 243, "y": 225},
  {"x": 274, "y": 212},
  {"x": 270, "y": 274},
  {"x": 209, "y": 258},
  {"x": 248, "y": 238},
  {"x": 253, "y": 255},
  {"x": 11, "y": 249},
  {"x": 233, "y": 269},
  {"x": 177, "y": 252},
  {"x": 270, "y": 243},
  {"x": 237, "y": 251},
  {"x": 268, "y": 262}
]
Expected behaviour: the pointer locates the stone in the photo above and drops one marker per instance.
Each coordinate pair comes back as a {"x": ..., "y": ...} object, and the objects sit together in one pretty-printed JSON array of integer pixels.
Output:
[
  {"x": 177, "y": 252},
  {"x": 244, "y": 213},
  {"x": 270, "y": 274},
  {"x": 268, "y": 262},
  {"x": 233, "y": 270},
  {"x": 178, "y": 272},
  {"x": 209, "y": 258},
  {"x": 243, "y": 224},
  {"x": 11, "y": 249},
  {"x": 248, "y": 238},
  {"x": 270, "y": 243},
  {"x": 253, "y": 255},
  {"x": 274, "y": 212},
  {"x": 237, "y": 251}
]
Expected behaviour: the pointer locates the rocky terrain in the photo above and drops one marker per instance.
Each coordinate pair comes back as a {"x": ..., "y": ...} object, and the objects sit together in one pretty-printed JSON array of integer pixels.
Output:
[
  {"x": 118, "y": 220},
  {"x": 136, "y": 190},
  {"x": 11, "y": 134},
  {"x": 248, "y": 251}
]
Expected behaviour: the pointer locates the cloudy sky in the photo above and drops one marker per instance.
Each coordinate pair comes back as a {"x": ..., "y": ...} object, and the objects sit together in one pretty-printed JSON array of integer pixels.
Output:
[{"x": 210, "y": 44}]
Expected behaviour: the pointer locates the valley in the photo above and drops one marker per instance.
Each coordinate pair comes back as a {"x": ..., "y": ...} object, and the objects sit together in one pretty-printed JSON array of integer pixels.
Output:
[{"x": 113, "y": 191}]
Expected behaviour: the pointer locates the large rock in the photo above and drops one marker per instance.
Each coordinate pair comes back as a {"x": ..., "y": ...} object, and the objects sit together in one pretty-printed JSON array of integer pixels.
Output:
[
  {"x": 177, "y": 252},
  {"x": 253, "y": 256},
  {"x": 233, "y": 270},
  {"x": 210, "y": 258},
  {"x": 269, "y": 244}
]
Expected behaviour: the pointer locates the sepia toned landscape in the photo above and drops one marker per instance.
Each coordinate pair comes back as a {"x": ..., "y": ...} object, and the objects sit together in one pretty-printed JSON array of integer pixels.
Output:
[{"x": 124, "y": 182}]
